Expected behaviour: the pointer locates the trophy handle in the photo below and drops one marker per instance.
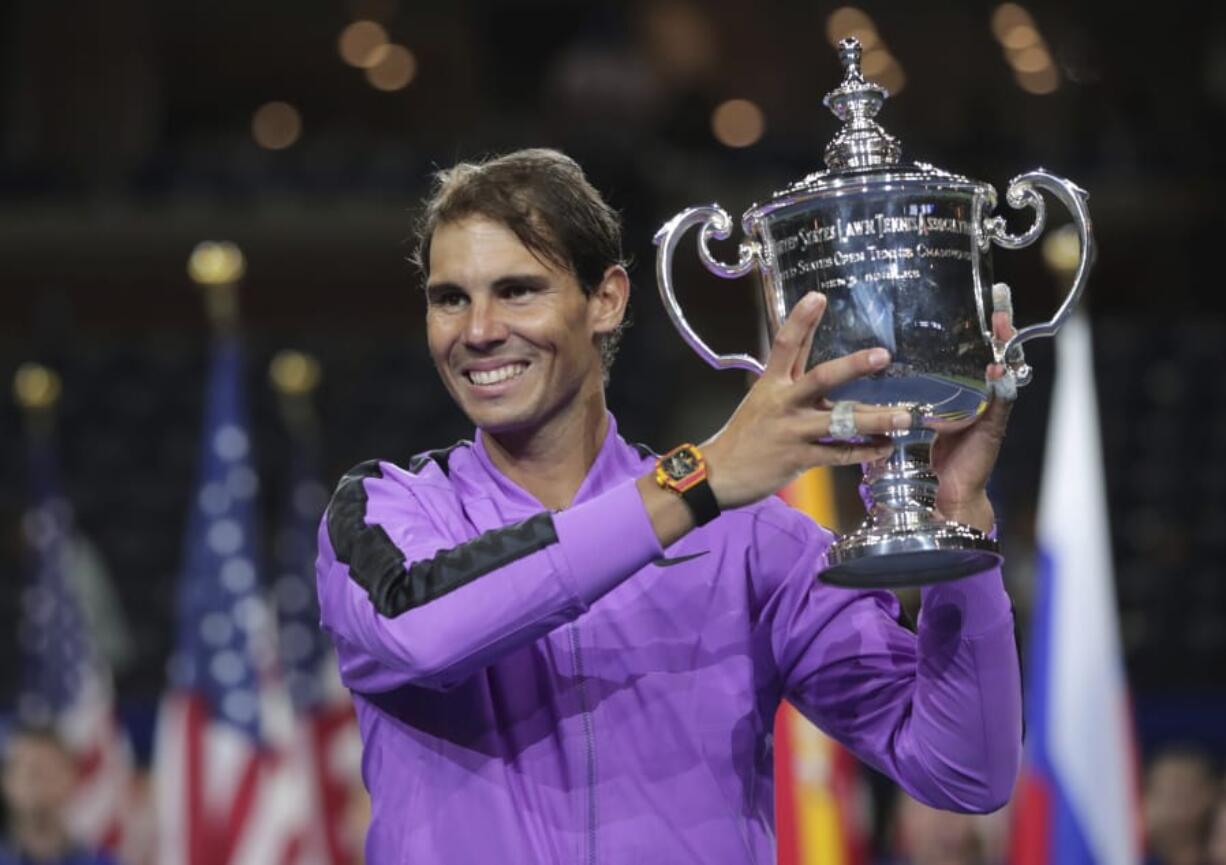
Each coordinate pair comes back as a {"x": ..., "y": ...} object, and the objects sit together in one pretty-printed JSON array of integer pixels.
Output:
[
  {"x": 715, "y": 224},
  {"x": 1022, "y": 193}
]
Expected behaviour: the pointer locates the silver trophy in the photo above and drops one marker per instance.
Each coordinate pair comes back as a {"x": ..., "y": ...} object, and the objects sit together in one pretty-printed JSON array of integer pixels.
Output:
[{"x": 903, "y": 253}]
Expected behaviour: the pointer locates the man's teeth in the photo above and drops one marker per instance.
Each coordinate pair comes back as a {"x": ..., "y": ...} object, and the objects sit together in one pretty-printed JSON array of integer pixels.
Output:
[{"x": 494, "y": 376}]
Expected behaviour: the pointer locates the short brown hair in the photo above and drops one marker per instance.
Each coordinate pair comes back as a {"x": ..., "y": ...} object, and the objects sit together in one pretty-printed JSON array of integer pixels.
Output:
[{"x": 543, "y": 197}]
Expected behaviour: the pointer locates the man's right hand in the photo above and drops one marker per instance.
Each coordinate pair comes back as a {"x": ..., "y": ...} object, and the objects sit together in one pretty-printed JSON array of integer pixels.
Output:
[{"x": 776, "y": 431}]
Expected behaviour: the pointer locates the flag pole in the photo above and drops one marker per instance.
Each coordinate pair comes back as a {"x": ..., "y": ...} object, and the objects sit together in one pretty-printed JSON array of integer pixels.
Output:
[
  {"x": 294, "y": 376},
  {"x": 37, "y": 389},
  {"x": 217, "y": 268}
]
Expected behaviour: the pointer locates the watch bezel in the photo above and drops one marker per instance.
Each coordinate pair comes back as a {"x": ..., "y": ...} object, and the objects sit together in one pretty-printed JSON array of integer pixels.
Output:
[{"x": 680, "y": 484}]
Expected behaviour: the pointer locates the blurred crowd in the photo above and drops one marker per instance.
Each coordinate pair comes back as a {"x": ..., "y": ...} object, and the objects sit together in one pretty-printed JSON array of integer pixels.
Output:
[
  {"x": 1185, "y": 808},
  {"x": 1183, "y": 803},
  {"x": 40, "y": 776}
]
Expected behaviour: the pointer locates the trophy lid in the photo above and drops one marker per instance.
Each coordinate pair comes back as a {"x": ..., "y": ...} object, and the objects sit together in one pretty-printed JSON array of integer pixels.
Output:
[
  {"x": 861, "y": 143},
  {"x": 862, "y": 153}
]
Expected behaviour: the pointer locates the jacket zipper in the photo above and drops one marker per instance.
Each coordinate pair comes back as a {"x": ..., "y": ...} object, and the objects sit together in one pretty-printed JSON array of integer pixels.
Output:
[{"x": 589, "y": 745}]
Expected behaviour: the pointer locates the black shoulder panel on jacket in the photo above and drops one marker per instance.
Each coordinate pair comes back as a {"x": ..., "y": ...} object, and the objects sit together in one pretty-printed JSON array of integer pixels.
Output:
[
  {"x": 394, "y": 590},
  {"x": 378, "y": 565},
  {"x": 439, "y": 457},
  {"x": 347, "y": 510}
]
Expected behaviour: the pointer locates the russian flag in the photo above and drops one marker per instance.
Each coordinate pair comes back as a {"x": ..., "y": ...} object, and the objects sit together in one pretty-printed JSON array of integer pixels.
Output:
[{"x": 1077, "y": 801}]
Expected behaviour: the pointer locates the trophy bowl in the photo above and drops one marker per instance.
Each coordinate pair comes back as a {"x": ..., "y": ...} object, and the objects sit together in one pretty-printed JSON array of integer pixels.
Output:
[{"x": 903, "y": 253}]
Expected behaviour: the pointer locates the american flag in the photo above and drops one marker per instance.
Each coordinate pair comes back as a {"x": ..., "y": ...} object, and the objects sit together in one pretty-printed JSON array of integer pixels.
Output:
[
  {"x": 67, "y": 683},
  {"x": 326, "y": 744},
  {"x": 226, "y": 792}
]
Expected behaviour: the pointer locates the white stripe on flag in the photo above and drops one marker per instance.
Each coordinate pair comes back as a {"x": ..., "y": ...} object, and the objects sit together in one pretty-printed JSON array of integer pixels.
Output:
[
  {"x": 170, "y": 781},
  {"x": 1088, "y": 724},
  {"x": 280, "y": 816}
]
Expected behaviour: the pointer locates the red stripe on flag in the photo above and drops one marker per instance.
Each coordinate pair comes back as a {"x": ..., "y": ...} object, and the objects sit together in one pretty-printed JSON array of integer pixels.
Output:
[
  {"x": 114, "y": 834},
  {"x": 325, "y": 726},
  {"x": 787, "y": 833},
  {"x": 89, "y": 762},
  {"x": 240, "y": 808},
  {"x": 196, "y": 822},
  {"x": 1031, "y": 836},
  {"x": 843, "y": 785},
  {"x": 292, "y": 850}
]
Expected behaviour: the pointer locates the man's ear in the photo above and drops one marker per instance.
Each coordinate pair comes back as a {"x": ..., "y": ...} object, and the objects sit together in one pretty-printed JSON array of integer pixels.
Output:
[{"x": 607, "y": 302}]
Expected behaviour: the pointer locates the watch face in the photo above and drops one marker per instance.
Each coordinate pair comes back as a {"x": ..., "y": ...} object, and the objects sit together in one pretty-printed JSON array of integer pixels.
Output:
[{"x": 680, "y": 464}]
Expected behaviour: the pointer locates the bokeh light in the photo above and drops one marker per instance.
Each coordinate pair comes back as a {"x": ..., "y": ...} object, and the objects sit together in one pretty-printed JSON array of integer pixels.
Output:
[
  {"x": 892, "y": 77},
  {"x": 1006, "y": 17},
  {"x": 738, "y": 123},
  {"x": 276, "y": 125},
  {"x": 1062, "y": 249},
  {"x": 293, "y": 372},
  {"x": 216, "y": 263},
  {"x": 1020, "y": 37},
  {"x": 1040, "y": 83},
  {"x": 849, "y": 21},
  {"x": 1034, "y": 59},
  {"x": 363, "y": 44},
  {"x": 681, "y": 40},
  {"x": 396, "y": 68},
  {"x": 875, "y": 62},
  {"x": 1025, "y": 51},
  {"x": 35, "y": 386}
]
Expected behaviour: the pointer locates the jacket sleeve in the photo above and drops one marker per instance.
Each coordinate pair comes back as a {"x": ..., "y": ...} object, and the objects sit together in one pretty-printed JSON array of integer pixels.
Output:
[
  {"x": 938, "y": 711},
  {"x": 405, "y": 603}
]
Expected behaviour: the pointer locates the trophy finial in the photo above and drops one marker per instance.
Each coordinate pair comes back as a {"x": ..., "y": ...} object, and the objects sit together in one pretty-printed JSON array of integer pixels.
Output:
[
  {"x": 849, "y": 54},
  {"x": 861, "y": 143}
]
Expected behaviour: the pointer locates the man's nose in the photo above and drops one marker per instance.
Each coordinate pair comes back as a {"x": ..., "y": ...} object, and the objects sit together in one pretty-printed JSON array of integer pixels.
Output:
[{"x": 485, "y": 326}]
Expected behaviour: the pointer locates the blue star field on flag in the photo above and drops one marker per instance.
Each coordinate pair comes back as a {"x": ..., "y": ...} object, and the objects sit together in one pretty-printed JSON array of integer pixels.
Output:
[
  {"x": 305, "y": 650},
  {"x": 56, "y": 648},
  {"x": 222, "y": 614}
]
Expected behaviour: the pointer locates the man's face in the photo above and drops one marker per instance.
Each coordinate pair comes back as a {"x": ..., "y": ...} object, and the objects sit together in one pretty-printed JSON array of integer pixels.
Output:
[
  {"x": 38, "y": 775},
  {"x": 1179, "y": 792},
  {"x": 513, "y": 337}
]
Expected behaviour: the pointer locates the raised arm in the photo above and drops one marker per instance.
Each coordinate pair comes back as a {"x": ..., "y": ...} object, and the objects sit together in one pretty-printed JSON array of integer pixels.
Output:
[{"x": 938, "y": 711}]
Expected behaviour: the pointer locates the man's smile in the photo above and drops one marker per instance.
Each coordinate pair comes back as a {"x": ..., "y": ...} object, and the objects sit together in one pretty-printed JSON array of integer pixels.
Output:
[{"x": 495, "y": 375}]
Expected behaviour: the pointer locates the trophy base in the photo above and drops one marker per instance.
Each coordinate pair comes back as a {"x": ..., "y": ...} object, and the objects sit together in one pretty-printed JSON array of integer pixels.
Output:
[{"x": 877, "y": 557}]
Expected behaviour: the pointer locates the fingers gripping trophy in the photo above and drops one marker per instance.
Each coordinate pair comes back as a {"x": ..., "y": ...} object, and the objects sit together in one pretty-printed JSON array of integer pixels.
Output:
[{"x": 903, "y": 253}]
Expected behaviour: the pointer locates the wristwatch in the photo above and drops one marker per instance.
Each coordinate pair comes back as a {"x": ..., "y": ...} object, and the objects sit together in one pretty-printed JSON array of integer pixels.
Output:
[{"x": 683, "y": 470}]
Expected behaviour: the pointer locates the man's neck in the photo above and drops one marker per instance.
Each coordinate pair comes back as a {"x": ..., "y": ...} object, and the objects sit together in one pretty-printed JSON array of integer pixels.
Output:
[{"x": 552, "y": 461}]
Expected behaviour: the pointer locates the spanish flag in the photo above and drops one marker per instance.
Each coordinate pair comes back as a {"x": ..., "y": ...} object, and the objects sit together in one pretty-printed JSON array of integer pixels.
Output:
[{"x": 819, "y": 796}]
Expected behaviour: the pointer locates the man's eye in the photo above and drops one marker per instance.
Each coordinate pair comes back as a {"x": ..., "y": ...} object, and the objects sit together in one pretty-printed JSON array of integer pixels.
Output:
[
  {"x": 448, "y": 300},
  {"x": 516, "y": 291}
]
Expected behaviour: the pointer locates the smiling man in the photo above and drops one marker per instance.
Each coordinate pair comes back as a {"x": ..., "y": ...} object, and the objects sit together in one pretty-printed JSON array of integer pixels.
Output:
[{"x": 564, "y": 649}]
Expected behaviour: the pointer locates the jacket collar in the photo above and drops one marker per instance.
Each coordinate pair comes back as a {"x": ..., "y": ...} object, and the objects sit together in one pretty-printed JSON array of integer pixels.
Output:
[{"x": 615, "y": 462}]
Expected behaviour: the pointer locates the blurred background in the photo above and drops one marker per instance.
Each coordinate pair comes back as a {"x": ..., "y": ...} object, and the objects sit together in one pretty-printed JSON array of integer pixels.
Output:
[{"x": 305, "y": 135}]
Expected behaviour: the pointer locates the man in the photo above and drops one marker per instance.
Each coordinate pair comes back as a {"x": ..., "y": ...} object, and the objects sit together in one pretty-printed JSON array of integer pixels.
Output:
[
  {"x": 38, "y": 780},
  {"x": 552, "y": 661},
  {"x": 1215, "y": 850},
  {"x": 1181, "y": 785},
  {"x": 928, "y": 836}
]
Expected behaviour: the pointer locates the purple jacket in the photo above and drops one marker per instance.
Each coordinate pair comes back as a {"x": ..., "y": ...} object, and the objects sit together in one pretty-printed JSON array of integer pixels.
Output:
[{"x": 537, "y": 687}]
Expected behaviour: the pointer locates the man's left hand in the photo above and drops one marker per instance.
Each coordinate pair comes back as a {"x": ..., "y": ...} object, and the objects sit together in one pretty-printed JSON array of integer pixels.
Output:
[{"x": 963, "y": 460}]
